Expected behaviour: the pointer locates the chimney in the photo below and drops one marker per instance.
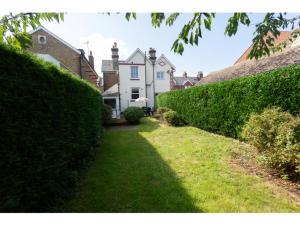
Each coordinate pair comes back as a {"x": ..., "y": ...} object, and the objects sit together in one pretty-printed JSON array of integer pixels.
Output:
[
  {"x": 152, "y": 55},
  {"x": 184, "y": 75},
  {"x": 115, "y": 56},
  {"x": 199, "y": 75},
  {"x": 91, "y": 59}
]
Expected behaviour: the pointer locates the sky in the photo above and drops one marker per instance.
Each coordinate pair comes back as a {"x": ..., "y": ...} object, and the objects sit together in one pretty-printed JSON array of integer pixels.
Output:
[{"x": 215, "y": 51}]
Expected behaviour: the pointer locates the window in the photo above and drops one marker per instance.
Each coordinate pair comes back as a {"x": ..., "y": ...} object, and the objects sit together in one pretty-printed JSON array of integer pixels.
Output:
[
  {"x": 160, "y": 76},
  {"x": 135, "y": 93},
  {"x": 42, "y": 39},
  {"x": 134, "y": 72}
]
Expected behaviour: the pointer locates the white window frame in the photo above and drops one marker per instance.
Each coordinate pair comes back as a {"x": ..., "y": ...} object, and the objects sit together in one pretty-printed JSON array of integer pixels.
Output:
[
  {"x": 160, "y": 75},
  {"x": 135, "y": 75},
  {"x": 138, "y": 93}
]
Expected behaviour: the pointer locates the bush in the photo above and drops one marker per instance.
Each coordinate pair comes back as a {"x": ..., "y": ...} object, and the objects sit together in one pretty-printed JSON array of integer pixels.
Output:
[
  {"x": 224, "y": 107},
  {"x": 162, "y": 110},
  {"x": 106, "y": 114},
  {"x": 276, "y": 135},
  {"x": 173, "y": 118},
  {"x": 133, "y": 114},
  {"x": 50, "y": 124}
]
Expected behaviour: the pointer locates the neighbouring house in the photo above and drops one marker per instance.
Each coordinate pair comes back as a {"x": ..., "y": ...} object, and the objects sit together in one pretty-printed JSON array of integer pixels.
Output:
[
  {"x": 184, "y": 81},
  {"x": 243, "y": 67},
  {"x": 139, "y": 75},
  {"x": 52, "y": 48},
  {"x": 283, "y": 37}
]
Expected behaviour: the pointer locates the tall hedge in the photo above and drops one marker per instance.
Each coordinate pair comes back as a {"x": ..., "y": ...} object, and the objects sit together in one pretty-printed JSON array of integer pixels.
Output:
[
  {"x": 50, "y": 124},
  {"x": 225, "y": 106}
]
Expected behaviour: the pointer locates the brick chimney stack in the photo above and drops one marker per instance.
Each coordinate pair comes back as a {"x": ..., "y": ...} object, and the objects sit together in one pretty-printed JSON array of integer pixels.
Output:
[
  {"x": 91, "y": 59},
  {"x": 184, "y": 75},
  {"x": 152, "y": 55},
  {"x": 115, "y": 56},
  {"x": 199, "y": 75}
]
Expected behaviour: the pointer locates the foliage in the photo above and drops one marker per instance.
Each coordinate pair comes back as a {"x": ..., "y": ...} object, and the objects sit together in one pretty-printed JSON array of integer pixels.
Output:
[
  {"x": 13, "y": 27},
  {"x": 165, "y": 169},
  {"x": 276, "y": 135},
  {"x": 133, "y": 114},
  {"x": 50, "y": 124},
  {"x": 162, "y": 110},
  {"x": 173, "y": 118},
  {"x": 263, "y": 41},
  {"x": 106, "y": 114},
  {"x": 224, "y": 107}
]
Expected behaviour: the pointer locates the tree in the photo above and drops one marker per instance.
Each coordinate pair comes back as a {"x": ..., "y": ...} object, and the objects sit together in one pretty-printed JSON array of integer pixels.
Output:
[
  {"x": 13, "y": 27},
  {"x": 263, "y": 38}
]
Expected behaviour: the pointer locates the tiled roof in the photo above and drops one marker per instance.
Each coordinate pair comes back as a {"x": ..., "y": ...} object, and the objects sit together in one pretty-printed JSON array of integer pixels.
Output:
[
  {"x": 281, "y": 59},
  {"x": 284, "y": 36},
  {"x": 182, "y": 80}
]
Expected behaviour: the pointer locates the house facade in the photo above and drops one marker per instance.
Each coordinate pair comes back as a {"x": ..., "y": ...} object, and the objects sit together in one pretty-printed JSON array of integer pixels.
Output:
[
  {"x": 138, "y": 76},
  {"x": 185, "y": 81},
  {"x": 51, "y": 48}
]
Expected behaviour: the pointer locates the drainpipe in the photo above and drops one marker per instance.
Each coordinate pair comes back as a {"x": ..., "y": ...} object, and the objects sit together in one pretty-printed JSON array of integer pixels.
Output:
[
  {"x": 119, "y": 93},
  {"x": 145, "y": 79},
  {"x": 152, "y": 53},
  {"x": 80, "y": 65}
]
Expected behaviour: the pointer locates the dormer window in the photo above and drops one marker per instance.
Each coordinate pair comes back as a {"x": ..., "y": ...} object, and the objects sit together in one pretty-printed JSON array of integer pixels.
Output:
[
  {"x": 134, "y": 72},
  {"x": 42, "y": 39}
]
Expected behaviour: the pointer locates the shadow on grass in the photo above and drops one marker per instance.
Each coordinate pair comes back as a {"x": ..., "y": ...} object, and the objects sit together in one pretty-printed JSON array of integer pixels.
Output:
[{"x": 129, "y": 175}]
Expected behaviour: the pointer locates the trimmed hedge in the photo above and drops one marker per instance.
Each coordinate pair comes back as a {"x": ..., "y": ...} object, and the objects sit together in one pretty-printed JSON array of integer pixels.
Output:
[
  {"x": 133, "y": 114},
  {"x": 50, "y": 124},
  {"x": 225, "y": 106}
]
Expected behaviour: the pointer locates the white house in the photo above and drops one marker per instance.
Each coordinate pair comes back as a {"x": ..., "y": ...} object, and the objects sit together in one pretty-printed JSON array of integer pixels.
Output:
[{"x": 139, "y": 75}]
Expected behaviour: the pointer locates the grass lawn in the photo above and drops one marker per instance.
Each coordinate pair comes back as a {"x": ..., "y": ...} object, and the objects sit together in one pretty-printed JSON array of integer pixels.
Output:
[{"x": 157, "y": 168}]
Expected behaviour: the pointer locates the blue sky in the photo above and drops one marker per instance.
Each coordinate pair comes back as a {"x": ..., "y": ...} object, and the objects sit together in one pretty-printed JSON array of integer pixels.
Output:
[{"x": 214, "y": 51}]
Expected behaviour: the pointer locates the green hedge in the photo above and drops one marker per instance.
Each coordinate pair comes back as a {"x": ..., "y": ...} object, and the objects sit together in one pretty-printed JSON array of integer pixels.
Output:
[
  {"x": 50, "y": 124},
  {"x": 225, "y": 106}
]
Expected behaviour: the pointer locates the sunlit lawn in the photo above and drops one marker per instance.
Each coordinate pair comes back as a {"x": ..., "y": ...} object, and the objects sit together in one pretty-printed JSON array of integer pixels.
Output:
[{"x": 157, "y": 168}]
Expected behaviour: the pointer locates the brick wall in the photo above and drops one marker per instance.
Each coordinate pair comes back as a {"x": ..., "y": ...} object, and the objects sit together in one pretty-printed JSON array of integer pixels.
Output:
[
  {"x": 70, "y": 59},
  {"x": 57, "y": 49},
  {"x": 109, "y": 79}
]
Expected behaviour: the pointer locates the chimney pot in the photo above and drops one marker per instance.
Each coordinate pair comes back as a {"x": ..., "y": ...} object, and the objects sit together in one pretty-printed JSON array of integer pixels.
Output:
[
  {"x": 91, "y": 59},
  {"x": 199, "y": 75},
  {"x": 115, "y": 56},
  {"x": 152, "y": 54}
]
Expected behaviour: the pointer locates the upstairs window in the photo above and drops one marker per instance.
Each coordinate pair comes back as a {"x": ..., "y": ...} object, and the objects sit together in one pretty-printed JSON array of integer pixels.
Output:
[
  {"x": 160, "y": 76},
  {"x": 135, "y": 93},
  {"x": 134, "y": 72}
]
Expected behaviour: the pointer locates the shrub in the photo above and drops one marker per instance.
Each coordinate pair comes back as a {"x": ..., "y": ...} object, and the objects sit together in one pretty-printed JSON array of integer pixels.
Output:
[
  {"x": 162, "y": 110},
  {"x": 173, "y": 118},
  {"x": 50, "y": 124},
  {"x": 106, "y": 114},
  {"x": 224, "y": 107},
  {"x": 133, "y": 114},
  {"x": 276, "y": 135}
]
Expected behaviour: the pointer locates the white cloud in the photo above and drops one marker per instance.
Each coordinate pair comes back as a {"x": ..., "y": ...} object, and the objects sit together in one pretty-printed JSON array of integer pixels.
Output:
[{"x": 101, "y": 48}]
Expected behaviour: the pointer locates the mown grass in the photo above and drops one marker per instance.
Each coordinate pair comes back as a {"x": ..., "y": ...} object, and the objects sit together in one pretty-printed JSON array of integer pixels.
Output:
[{"x": 158, "y": 168}]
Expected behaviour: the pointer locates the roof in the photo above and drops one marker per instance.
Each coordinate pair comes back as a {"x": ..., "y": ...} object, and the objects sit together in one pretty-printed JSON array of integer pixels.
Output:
[
  {"x": 107, "y": 65},
  {"x": 182, "y": 80},
  {"x": 135, "y": 52},
  {"x": 55, "y": 36},
  {"x": 112, "y": 91},
  {"x": 283, "y": 36},
  {"x": 280, "y": 59}
]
